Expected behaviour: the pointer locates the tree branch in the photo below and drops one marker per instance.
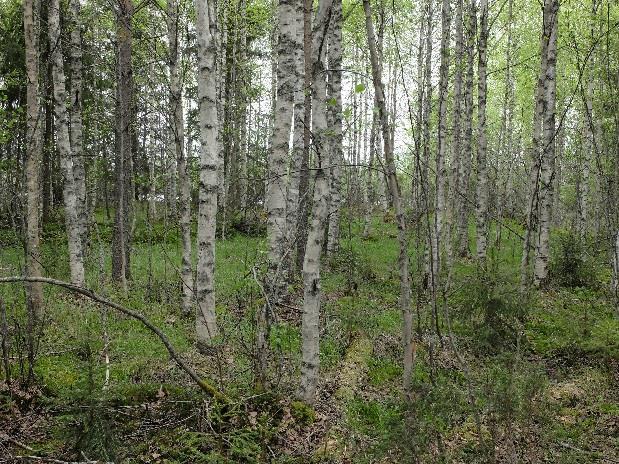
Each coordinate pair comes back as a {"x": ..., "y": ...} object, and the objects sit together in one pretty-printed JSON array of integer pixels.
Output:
[{"x": 205, "y": 385}]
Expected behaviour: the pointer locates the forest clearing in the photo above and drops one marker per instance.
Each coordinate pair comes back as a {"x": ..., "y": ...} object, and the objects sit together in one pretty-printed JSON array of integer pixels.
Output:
[{"x": 331, "y": 231}]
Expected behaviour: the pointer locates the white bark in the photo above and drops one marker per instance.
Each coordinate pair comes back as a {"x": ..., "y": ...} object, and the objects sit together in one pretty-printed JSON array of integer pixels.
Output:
[
  {"x": 335, "y": 125},
  {"x": 294, "y": 179},
  {"x": 76, "y": 256},
  {"x": 206, "y": 26},
  {"x": 177, "y": 142},
  {"x": 481, "y": 209},
  {"x": 440, "y": 202},
  {"x": 310, "y": 318},
  {"x": 467, "y": 142},
  {"x": 284, "y": 104},
  {"x": 79, "y": 170},
  {"x": 551, "y": 11}
]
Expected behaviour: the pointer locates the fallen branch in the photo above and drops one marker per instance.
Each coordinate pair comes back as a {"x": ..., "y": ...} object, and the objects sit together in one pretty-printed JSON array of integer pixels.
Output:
[
  {"x": 205, "y": 385},
  {"x": 57, "y": 461}
]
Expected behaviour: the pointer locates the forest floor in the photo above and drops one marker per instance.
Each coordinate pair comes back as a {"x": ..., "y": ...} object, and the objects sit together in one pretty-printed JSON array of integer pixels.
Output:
[{"x": 514, "y": 380}]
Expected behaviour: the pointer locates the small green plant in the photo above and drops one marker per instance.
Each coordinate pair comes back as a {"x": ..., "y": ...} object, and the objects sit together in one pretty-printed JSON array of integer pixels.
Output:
[
  {"x": 568, "y": 265},
  {"x": 302, "y": 413}
]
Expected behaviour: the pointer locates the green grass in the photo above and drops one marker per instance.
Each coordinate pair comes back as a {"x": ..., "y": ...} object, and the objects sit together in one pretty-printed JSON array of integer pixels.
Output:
[{"x": 517, "y": 351}]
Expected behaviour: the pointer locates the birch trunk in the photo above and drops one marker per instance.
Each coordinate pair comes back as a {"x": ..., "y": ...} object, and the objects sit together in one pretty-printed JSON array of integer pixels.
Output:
[
  {"x": 481, "y": 207},
  {"x": 79, "y": 169},
  {"x": 335, "y": 117},
  {"x": 441, "y": 171},
  {"x": 283, "y": 111},
  {"x": 33, "y": 159},
  {"x": 310, "y": 318},
  {"x": 206, "y": 27},
  {"x": 457, "y": 109},
  {"x": 551, "y": 11},
  {"x": 76, "y": 255},
  {"x": 178, "y": 146},
  {"x": 293, "y": 199},
  {"x": 120, "y": 248},
  {"x": 307, "y": 118},
  {"x": 532, "y": 207},
  {"x": 403, "y": 261},
  {"x": 467, "y": 145}
]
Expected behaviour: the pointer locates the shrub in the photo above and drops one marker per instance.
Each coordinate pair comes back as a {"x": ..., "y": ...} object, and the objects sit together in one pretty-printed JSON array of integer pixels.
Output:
[{"x": 568, "y": 266}]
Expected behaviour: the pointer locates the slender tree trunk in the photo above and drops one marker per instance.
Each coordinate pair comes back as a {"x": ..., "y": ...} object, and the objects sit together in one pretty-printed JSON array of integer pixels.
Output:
[
  {"x": 440, "y": 200},
  {"x": 403, "y": 261},
  {"x": 283, "y": 111},
  {"x": 76, "y": 255},
  {"x": 310, "y": 318},
  {"x": 454, "y": 199},
  {"x": 177, "y": 133},
  {"x": 551, "y": 20},
  {"x": 79, "y": 169},
  {"x": 33, "y": 169},
  {"x": 467, "y": 145},
  {"x": 481, "y": 209},
  {"x": 335, "y": 124},
  {"x": 427, "y": 103},
  {"x": 206, "y": 26},
  {"x": 293, "y": 199},
  {"x": 120, "y": 248},
  {"x": 302, "y": 217},
  {"x": 535, "y": 150}
]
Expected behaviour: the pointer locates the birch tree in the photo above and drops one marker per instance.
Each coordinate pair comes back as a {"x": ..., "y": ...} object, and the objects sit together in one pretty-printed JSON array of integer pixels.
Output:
[
  {"x": 394, "y": 188},
  {"x": 481, "y": 206},
  {"x": 335, "y": 124},
  {"x": 206, "y": 27},
  {"x": 79, "y": 170},
  {"x": 467, "y": 143},
  {"x": 551, "y": 21},
  {"x": 310, "y": 316},
  {"x": 177, "y": 146},
  {"x": 441, "y": 171},
  {"x": 121, "y": 240},
  {"x": 283, "y": 111},
  {"x": 76, "y": 255}
]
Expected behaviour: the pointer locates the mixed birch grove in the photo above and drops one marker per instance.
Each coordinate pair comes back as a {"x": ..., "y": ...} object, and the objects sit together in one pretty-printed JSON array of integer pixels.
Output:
[{"x": 309, "y": 231}]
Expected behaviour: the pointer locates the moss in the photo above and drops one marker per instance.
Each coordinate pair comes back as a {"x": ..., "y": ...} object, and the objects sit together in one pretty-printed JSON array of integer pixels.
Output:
[{"x": 302, "y": 413}]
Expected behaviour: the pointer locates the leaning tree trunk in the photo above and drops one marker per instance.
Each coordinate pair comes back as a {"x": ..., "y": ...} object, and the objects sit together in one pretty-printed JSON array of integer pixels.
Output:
[
  {"x": 481, "y": 208},
  {"x": 79, "y": 170},
  {"x": 177, "y": 133},
  {"x": 76, "y": 255},
  {"x": 403, "y": 262},
  {"x": 206, "y": 26},
  {"x": 310, "y": 318},
  {"x": 551, "y": 11},
  {"x": 335, "y": 124}
]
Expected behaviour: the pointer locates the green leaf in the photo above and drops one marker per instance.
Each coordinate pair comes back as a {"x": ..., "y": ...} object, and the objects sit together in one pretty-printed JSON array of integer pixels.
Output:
[{"x": 359, "y": 88}]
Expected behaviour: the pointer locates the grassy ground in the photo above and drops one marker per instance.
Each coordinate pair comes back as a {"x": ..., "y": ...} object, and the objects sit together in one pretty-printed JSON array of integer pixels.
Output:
[{"x": 519, "y": 380}]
